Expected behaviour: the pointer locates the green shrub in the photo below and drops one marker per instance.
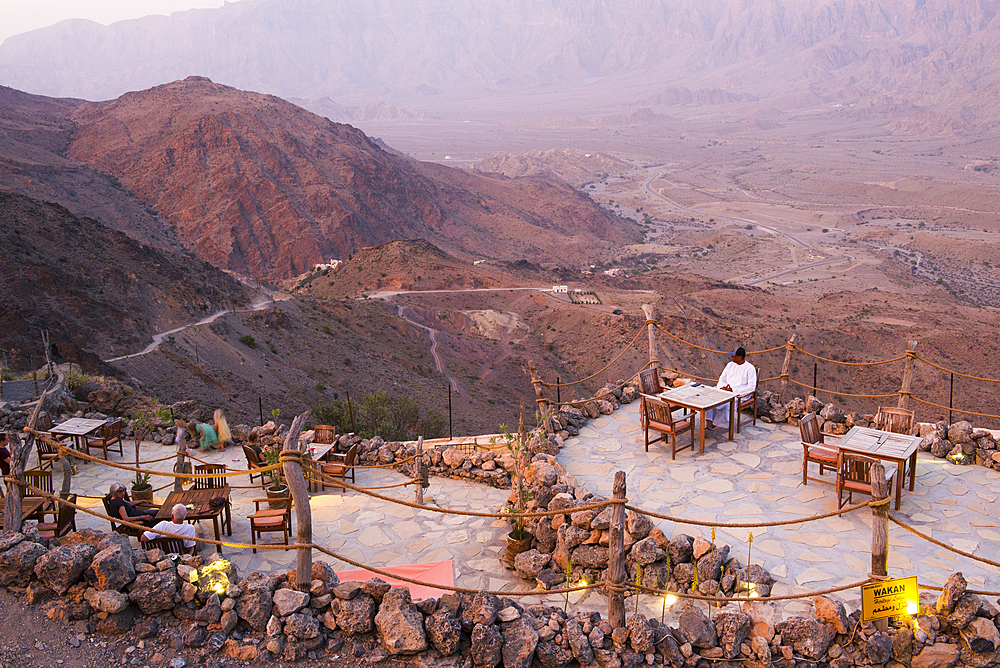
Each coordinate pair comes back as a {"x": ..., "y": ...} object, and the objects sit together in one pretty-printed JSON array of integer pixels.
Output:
[
  {"x": 393, "y": 418},
  {"x": 75, "y": 380},
  {"x": 247, "y": 340}
]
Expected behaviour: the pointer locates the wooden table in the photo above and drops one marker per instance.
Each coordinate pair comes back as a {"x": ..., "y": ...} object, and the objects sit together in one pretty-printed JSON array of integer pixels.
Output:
[
  {"x": 79, "y": 429},
  {"x": 318, "y": 452},
  {"x": 199, "y": 509},
  {"x": 701, "y": 398},
  {"x": 886, "y": 446}
]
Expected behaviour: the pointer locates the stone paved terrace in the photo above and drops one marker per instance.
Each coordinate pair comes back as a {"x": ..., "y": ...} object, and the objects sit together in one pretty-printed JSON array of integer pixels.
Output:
[{"x": 757, "y": 477}]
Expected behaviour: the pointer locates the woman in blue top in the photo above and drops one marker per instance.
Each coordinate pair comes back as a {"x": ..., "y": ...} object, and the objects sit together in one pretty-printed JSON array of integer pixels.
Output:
[{"x": 205, "y": 435}]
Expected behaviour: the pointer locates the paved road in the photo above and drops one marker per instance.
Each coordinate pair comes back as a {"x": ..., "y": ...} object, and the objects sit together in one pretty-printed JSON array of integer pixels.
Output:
[{"x": 798, "y": 269}]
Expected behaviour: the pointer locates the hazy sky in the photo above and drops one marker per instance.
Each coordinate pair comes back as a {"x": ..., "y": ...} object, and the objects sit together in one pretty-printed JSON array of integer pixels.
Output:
[{"x": 24, "y": 15}]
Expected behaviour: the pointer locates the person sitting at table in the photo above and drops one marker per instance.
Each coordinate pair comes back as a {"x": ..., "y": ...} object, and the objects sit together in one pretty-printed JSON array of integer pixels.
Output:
[
  {"x": 740, "y": 377},
  {"x": 204, "y": 434},
  {"x": 174, "y": 525},
  {"x": 252, "y": 442},
  {"x": 122, "y": 508}
]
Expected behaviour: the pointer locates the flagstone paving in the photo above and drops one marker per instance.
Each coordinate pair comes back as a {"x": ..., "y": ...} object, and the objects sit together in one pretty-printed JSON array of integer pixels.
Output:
[{"x": 757, "y": 477}]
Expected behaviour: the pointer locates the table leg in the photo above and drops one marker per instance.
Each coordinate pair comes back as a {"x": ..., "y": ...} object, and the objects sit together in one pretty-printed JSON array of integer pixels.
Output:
[
  {"x": 899, "y": 482},
  {"x": 215, "y": 523},
  {"x": 913, "y": 469},
  {"x": 701, "y": 431},
  {"x": 732, "y": 414},
  {"x": 229, "y": 519}
]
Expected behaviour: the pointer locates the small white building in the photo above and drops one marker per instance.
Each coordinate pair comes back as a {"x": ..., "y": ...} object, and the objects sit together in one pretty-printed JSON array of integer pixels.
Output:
[
  {"x": 332, "y": 265},
  {"x": 560, "y": 288}
]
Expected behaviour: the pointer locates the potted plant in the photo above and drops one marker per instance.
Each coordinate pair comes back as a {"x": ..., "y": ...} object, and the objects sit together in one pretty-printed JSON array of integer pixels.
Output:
[
  {"x": 275, "y": 484},
  {"x": 519, "y": 539},
  {"x": 141, "y": 489}
]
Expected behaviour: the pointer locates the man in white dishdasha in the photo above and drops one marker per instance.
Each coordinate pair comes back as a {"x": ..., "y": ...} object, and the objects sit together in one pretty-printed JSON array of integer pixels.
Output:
[{"x": 740, "y": 377}]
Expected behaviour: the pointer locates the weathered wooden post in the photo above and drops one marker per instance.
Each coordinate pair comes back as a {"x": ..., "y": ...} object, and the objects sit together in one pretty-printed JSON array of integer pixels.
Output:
[
  {"x": 789, "y": 347},
  {"x": 904, "y": 390},
  {"x": 650, "y": 325},
  {"x": 418, "y": 473},
  {"x": 19, "y": 451},
  {"x": 880, "y": 528},
  {"x": 543, "y": 405},
  {"x": 181, "y": 466},
  {"x": 616, "y": 555},
  {"x": 291, "y": 458}
]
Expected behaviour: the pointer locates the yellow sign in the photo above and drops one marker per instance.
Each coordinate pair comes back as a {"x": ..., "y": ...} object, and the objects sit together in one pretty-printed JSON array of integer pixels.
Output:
[{"x": 889, "y": 598}]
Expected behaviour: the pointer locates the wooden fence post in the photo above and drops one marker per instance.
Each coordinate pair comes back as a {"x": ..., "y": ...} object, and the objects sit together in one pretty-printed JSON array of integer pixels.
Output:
[
  {"x": 418, "y": 473},
  {"x": 789, "y": 347},
  {"x": 880, "y": 528},
  {"x": 19, "y": 452},
  {"x": 650, "y": 312},
  {"x": 616, "y": 555},
  {"x": 292, "y": 468},
  {"x": 904, "y": 390},
  {"x": 543, "y": 407},
  {"x": 181, "y": 465}
]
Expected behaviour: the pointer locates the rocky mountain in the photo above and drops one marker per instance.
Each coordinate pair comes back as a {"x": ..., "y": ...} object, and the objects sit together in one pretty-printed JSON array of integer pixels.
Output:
[
  {"x": 261, "y": 187},
  {"x": 939, "y": 54},
  {"x": 97, "y": 292}
]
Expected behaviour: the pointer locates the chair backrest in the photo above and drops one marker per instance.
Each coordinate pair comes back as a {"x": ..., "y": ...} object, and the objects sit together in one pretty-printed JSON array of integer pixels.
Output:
[
  {"x": 40, "y": 479},
  {"x": 856, "y": 468},
  {"x": 45, "y": 449},
  {"x": 351, "y": 455},
  {"x": 656, "y": 411},
  {"x": 168, "y": 545},
  {"x": 649, "y": 381},
  {"x": 896, "y": 420},
  {"x": 111, "y": 430},
  {"x": 43, "y": 422},
  {"x": 324, "y": 433},
  {"x": 253, "y": 459},
  {"x": 809, "y": 429},
  {"x": 210, "y": 483},
  {"x": 67, "y": 515}
]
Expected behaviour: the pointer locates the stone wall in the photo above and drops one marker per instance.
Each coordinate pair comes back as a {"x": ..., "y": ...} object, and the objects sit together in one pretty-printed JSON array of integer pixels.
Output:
[{"x": 190, "y": 609}]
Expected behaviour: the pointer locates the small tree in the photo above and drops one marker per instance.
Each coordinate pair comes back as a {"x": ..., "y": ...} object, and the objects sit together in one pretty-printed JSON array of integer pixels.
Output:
[{"x": 143, "y": 422}]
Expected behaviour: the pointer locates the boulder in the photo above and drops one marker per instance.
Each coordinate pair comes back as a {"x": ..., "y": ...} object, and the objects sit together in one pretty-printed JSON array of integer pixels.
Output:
[
  {"x": 356, "y": 615},
  {"x": 154, "y": 592},
  {"x": 454, "y": 458},
  {"x": 487, "y": 644},
  {"x": 952, "y": 591},
  {"x": 938, "y": 655},
  {"x": 529, "y": 564},
  {"x": 209, "y": 613},
  {"x": 482, "y": 609},
  {"x": 288, "y": 601},
  {"x": 965, "y": 610},
  {"x": 108, "y": 601},
  {"x": 642, "y": 637},
  {"x": 519, "y": 642},
  {"x": 10, "y": 540},
  {"x": 590, "y": 556},
  {"x": 710, "y": 565},
  {"x": 832, "y": 413},
  {"x": 762, "y": 616},
  {"x": 637, "y": 525},
  {"x": 17, "y": 564},
  {"x": 696, "y": 628},
  {"x": 303, "y": 627},
  {"x": 830, "y": 611},
  {"x": 579, "y": 644},
  {"x": 806, "y": 635},
  {"x": 980, "y": 643},
  {"x": 647, "y": 551},
  {"x": 680, "y": 549},
  {"x": 444, "y": 631},
  {"x": 400, "y": 625},
  {"x": 324, "y": 572},
  {"x": 63, "y": 566},
  {"x": 960, "y": 432},
  {"x": 878, "y": 649},
  {"x": 254, "y": 604},
  {"x": 112, "y": 568},
  {"x": 732, "y": 628},
  {"x": 552, "y": 655}
]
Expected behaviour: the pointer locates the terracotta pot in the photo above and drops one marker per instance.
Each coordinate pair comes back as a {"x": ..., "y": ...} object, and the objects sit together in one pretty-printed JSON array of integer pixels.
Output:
[
  {"x": 143, "y": 494},
  {"x": 277, "y": 493},
  {"x": 515, "y": 547}
]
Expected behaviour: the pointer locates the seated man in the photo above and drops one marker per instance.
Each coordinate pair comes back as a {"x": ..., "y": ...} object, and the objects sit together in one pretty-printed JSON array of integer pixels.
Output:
[
  {"x": 175, "y": 525},
  {"x": 122, "y": 508},
  {"x": 740, "y": 377}
]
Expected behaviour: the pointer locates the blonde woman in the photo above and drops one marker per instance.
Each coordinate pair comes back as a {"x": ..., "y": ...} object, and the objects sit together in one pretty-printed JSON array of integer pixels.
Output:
[{"x": 221, "y": 429}]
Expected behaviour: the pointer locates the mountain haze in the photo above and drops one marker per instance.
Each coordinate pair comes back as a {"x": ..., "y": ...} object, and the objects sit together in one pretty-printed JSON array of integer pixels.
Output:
[{"x": 940, "y": 54}]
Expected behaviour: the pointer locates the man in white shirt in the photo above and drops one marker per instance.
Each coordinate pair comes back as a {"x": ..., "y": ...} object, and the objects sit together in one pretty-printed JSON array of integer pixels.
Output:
[
  {"x": 175, "y": 525},
  {"x": 740, "y": 377}
]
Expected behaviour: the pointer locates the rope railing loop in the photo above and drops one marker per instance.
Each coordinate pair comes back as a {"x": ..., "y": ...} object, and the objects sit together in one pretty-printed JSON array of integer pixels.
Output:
[
  {"x": 941, "y": 544},
  {"x": 747, "y": 525}
]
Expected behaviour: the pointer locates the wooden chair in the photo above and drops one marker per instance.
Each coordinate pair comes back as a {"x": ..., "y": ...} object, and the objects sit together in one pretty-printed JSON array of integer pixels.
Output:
[
  {"x": 44, "y": 424},
  {"x": 65, "y": 521},
  {"x": 271, "y": 520},
  {"x": 657, "y": 416},
  {"x": 854, "y": 475},
  {"x": 43, "y": 481},
  {"x": 119, "y": 528},
  {"x": 46, "y": 454},
  {"x": 170, "y": 545},
  {"x": 253, "y": 462},
  {"x": 324, "y": 433},
  {"x": 649, "y": 381},
  {"x": 111, "y": 436},
  {"x": 210, "y": 483},
  {"x": 342, "y": 467},
  {"x": 896, "y": 420},
  {"x": 746, "y": 401},
  {"x": 815, "y": 449}
]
